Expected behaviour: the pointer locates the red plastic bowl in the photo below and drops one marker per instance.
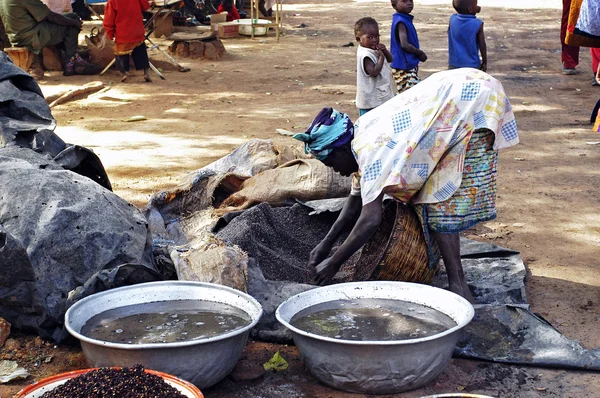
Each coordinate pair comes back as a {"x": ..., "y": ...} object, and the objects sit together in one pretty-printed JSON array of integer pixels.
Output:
[{"x": 38, "y": 389}]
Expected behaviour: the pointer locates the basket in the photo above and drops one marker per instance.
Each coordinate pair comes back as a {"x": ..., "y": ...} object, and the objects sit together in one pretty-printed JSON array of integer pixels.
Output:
[{"x": 398, "y": 250}]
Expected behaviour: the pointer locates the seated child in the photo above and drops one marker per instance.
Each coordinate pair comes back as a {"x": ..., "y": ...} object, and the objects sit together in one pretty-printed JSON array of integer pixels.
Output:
[
  {"x": 404, "y": 46},
  {"x": 374, "y": 84},
  {"x": 466, "y": 38},
  {"x": 232, "y": 12}
]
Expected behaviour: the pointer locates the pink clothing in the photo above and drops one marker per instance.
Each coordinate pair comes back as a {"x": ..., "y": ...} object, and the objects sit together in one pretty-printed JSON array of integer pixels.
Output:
[
  {"x": 123, "y": 20},
  {"x": 570, "y": 54},
  {"x": 595, "y": 58}
]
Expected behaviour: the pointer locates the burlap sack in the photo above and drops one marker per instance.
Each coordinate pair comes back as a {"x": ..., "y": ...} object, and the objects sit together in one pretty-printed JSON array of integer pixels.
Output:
[
  {"x": 101, "y": 49},
  {"x": 299, "y": 179}
]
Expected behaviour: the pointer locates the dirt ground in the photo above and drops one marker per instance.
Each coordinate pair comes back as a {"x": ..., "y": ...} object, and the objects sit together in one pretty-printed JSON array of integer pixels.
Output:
[{"x": 547, "y": 201}]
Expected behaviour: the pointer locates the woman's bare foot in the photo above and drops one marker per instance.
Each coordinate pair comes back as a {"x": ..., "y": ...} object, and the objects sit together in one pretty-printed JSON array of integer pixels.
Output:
[
  {"x": 124, "y": 77},
  {"x": 147, "y": 76}
]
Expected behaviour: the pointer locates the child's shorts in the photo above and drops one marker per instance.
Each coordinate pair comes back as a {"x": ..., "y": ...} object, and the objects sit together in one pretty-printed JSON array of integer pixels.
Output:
[{"x": 405, "y": 79}]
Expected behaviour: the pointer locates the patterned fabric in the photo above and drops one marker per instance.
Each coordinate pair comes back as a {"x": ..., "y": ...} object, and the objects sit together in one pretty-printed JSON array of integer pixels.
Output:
[
  {"x": 583, "y": 26},
  {"x": 473, "y": 202},
  {"x": 126, "y": 48},
  {"x": 413, "y": 146},
  {"x": 405, "y": 79},
  {"x": 330, "y": 129}
]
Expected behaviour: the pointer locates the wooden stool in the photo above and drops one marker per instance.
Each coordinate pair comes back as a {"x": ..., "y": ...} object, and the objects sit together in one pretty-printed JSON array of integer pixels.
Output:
[
  {"x": 21, "y": 56},
  {"x": 163, "y": 25},
  {"x": 276, "y": 21}
]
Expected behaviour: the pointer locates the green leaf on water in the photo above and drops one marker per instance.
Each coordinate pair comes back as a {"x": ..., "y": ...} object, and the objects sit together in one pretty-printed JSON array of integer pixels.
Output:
[{"x": 277, "y": 363}]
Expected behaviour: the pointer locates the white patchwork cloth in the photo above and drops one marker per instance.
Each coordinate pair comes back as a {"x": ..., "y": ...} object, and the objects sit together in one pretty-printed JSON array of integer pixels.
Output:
[{"x": 412, "y": 147}]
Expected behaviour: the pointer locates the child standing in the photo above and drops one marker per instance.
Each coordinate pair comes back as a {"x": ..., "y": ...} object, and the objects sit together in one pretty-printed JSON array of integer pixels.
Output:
[
  {"x": 404, "y": 46},
  {"x": 465, "y": 37},
  {"x": 374, "y": 84},
  {"x": 123, "y": 22}
]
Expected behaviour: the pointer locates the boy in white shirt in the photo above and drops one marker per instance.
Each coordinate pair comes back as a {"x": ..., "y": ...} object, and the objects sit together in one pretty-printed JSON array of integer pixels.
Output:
[{"x": 374, "y": 83}]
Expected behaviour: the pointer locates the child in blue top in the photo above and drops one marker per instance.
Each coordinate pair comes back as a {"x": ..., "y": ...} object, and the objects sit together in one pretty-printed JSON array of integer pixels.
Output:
[
  {"x": 404, "y": 46},
  {"x": 465, "y": 37}
]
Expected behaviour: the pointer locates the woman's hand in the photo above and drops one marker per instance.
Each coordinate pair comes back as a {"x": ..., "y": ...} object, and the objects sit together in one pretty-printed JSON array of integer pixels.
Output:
[
  {"x": 326, "y": 270},
  {"x": 318, "y": 254}
]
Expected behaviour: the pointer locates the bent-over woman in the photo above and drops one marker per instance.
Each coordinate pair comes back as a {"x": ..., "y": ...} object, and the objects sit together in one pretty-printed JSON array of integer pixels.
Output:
[{"x": 433, "y": 147}]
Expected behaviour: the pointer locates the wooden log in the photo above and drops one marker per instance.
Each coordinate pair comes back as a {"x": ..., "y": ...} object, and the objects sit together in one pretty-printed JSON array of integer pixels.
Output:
[
  {"x": 21, "y": 56},
  {"x": 90, "y": 87}
]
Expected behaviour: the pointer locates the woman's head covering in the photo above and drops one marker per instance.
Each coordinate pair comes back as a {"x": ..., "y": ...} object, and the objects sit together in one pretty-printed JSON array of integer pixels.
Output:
[{"x": 330, "y": 129}]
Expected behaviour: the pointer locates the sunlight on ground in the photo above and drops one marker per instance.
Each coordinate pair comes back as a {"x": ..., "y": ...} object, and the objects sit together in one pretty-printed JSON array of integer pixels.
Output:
[{"x": 145, "y": 149}]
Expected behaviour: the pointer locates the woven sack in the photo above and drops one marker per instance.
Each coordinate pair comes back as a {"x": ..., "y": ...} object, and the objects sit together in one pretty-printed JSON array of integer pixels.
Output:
[
  {"x": 397, "y": 251},
  {"x": 102, "y": 50}
]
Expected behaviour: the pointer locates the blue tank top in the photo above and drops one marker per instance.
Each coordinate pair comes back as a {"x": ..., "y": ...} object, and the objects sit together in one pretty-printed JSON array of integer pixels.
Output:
[
  {"x": 403, "y": 60},
  {"x": 463, "y": 51}
]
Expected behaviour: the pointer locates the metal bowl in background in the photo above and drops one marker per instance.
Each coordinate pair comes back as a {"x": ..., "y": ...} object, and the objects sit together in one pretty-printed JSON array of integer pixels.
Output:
[
  {"x": 377, "y": 367},
  {"x": 202, "y": 362}
]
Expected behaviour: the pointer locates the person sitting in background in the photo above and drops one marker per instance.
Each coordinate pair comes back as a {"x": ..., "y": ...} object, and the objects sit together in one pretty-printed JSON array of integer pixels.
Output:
[
  {"x": 465, "y": 37},
  {"x": 230, "y": 8},
  {"x": 31, "y": 24}
]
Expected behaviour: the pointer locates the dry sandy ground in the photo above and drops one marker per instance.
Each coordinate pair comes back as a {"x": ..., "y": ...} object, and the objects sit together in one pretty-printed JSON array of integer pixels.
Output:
[{"x": 547, "y": 204}]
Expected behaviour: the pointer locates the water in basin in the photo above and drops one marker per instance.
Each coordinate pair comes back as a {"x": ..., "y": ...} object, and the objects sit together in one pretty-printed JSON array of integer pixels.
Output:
[
  {"x": 165, "y": 322},
  {"x": 368, "y": 319}
]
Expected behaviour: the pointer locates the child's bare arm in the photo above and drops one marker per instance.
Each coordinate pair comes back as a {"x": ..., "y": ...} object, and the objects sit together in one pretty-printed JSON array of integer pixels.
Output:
[
  {"x": 388, "y": 55},
  {"x": 406, "y": 46},
  {"x": 482, "y": 48},
  {"x": 373, "y": 69}
]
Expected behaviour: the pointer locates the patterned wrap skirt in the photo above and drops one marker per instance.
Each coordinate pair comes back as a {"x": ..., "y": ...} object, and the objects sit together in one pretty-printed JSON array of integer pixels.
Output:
[
  {"x": 473, "y": 202},
  {"x": 405, "y": 79}
]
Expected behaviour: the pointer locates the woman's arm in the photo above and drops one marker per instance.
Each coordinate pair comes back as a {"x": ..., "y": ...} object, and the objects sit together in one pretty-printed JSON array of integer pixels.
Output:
[
  {"x": 365, "y": 227},
  {"x": 345, "y": 221}
]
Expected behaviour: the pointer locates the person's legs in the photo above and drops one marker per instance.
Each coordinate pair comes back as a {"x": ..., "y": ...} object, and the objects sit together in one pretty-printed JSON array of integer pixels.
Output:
[
  {"x": 66, "y": 35},
  {"x": 570, "y": 54},
  {"x": 263, "y": 10},
  {"x": 122, "y": 62},
  {"x": 140, "y": 60},
  {"x": 449, "y": 245}
]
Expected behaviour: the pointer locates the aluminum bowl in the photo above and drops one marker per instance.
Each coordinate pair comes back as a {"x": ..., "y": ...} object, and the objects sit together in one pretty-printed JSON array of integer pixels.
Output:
[
  {"x": 202, "y": 362},
  {"x": 377, "y": 367}
]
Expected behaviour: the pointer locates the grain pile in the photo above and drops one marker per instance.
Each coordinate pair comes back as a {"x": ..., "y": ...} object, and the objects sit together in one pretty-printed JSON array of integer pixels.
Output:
[
  {"x": 112, "y": 382},
  {"x": 279, "y": 239}
]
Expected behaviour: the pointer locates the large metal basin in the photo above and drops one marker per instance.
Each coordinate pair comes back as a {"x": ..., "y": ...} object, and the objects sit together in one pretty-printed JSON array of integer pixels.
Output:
[
  {"x": 202, "y": 362},
  {"x": 377, "y": 367}
]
